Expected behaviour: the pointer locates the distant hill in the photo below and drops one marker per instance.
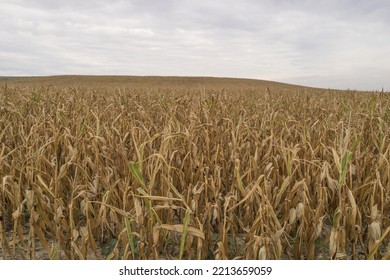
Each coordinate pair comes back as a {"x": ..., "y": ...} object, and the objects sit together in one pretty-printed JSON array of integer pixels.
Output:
[
  {"x": 8, "y": 78},
  {"x": 145, "y": 82}
]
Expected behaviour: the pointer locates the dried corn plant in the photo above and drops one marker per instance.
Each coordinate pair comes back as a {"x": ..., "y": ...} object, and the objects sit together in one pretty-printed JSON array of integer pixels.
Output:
[{"x": 127, "y": 173}]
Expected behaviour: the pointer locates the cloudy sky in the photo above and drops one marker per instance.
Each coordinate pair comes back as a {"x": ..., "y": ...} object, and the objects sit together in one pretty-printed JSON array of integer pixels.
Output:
[{"x": 323, "y": 43}]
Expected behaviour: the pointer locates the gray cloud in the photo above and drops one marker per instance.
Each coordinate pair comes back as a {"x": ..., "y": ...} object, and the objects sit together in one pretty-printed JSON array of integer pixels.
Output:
[{"x": 342, "y": 44}]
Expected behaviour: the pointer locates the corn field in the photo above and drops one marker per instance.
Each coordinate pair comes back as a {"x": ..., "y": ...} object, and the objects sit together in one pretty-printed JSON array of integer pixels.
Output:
[{"x": 193, "y": 173}]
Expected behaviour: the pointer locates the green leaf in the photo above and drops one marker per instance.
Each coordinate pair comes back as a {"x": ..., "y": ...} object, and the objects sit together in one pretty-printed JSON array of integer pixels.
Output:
[
  {"x": 344, "y": 164},
  {"x": 130, "y": 235},
  {"x": 136, "y": 171},
  {"x": 184, "y": 233}
]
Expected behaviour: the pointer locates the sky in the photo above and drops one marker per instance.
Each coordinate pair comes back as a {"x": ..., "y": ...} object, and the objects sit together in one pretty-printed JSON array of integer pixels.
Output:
[{"x": 322, "y": 43}]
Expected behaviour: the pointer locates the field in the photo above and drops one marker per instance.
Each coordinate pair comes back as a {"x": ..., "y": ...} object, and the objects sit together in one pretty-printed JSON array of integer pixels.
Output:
[{"x": 192, "y": 168}]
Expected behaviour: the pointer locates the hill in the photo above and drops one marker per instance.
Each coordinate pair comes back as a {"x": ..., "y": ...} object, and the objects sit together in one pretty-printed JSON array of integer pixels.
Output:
[{"x": 146, "y": 82}]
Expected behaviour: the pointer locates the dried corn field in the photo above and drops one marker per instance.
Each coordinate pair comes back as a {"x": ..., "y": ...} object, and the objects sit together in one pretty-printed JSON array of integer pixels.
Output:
[{"x": 196, "y": 173}]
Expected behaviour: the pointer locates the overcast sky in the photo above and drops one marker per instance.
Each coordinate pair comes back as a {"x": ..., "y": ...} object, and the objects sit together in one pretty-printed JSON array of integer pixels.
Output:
[{"x": 331, "y": 44}]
